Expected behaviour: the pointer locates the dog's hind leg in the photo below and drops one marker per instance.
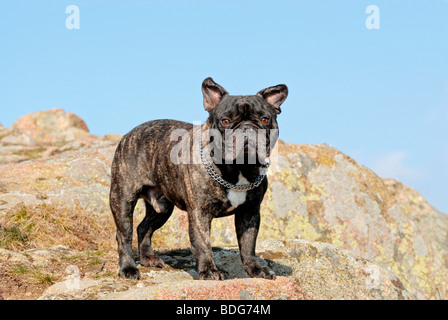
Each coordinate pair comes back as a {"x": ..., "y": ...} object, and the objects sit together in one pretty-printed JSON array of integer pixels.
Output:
[{"x": 156, "y": 216}]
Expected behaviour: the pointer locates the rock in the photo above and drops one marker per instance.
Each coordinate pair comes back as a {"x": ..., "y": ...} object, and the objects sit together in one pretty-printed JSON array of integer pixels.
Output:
[
  {"x": 42, "y": 134},
  {"x": 38, "y": 257},
  {"x": 47, "y": 127},
  {"x": 3, "y": 131},
  {"x": 17, "y": 139},
  {"x": 68, "y": 289},
  {"x": 250, "y": 289},
  {"x": 43, "y": 257},
  {"x": 11, "y": 256},
  {"x": 12, "y": 158},
  {"x": 247, "y": 289},
  {"x": 305, "y": 270},
  {"x": 325, "y": 271},
  {"x": 79, "y": 177}
]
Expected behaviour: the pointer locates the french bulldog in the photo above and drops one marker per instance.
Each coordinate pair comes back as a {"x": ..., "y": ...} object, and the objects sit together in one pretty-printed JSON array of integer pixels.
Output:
[{"x": 223, "y": 182}]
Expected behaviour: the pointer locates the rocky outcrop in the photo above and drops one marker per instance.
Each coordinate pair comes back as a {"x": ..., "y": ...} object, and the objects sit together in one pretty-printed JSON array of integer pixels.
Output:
[
  {"x": 50, "y": 127},
  {"x": 316, "y": 194},
  {"x": 69, "y": 166},
  {"x": 305, "y": 270},
  {"x": 41, "y": 134}
]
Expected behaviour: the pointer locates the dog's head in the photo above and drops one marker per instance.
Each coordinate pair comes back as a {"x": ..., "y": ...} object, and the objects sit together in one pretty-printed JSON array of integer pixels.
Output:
[{"x": 244, "y": 128}]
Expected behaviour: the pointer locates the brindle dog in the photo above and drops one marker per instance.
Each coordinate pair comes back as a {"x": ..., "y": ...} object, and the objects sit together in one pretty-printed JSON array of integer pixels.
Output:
[{"x": 143, "y": 168}]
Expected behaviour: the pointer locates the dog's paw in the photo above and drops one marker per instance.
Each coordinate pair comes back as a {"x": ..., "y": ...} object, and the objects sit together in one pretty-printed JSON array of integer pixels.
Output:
[
  {"x": 255, "y": 270},
  {"x": 129, "y": 273},
  {"x": 152, "y": 261},
  {"x": 211, "y": 274}
]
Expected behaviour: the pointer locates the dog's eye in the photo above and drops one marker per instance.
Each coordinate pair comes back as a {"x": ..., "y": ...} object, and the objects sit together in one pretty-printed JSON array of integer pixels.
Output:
[
  {"x": 225, "y": 122},
  {"x": 264, "y": 120}
]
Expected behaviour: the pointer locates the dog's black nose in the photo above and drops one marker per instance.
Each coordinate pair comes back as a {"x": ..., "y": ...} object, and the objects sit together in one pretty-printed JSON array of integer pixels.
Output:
[{"x": 248, "y": 130}]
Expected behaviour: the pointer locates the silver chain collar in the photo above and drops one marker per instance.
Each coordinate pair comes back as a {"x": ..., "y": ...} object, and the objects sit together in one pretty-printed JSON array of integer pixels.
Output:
[{"x": 208, "y": 165}]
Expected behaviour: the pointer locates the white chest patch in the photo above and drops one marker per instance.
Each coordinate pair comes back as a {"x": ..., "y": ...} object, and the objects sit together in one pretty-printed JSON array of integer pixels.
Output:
[{"x": 237, "y": 197}]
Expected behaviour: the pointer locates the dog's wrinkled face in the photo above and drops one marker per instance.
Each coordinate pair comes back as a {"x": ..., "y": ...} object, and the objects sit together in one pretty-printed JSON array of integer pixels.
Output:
[{"x": 244, "y": 128}]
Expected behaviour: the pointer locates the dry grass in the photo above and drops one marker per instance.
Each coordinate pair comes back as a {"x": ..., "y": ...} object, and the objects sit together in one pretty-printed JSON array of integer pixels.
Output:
[
  {"x": 29, "y": 227},
  {"x": 44, "y": 226},
  {"x": 92, "y": 236}
]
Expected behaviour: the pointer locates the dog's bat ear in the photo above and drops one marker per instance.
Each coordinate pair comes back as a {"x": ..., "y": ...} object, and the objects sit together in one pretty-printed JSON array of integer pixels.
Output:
[
  {"x": 212, "y": 93},
  {"x": 275, "y": 96}
]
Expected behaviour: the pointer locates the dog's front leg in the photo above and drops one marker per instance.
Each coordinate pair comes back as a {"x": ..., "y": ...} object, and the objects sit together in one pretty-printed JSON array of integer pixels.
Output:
[
  {"x": 199, "y": 231},
  {"x": 247, "y": 223}
]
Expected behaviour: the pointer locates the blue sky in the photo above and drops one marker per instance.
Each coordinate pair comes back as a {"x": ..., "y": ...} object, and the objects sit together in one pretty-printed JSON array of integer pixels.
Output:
[{"x": 379, "y": 95}]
